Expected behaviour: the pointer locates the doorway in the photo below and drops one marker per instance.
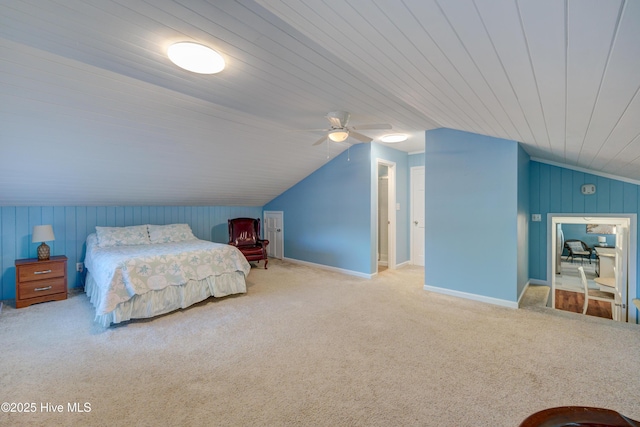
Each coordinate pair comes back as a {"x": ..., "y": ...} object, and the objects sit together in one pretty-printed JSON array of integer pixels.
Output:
[
  {"x": 386, "y": 215},
  {"x": 417, "y": 215},
  {"x": 274, "y": 233},
  {"x": 383, "y": 216},
  {"x": 622, "y": 246}
]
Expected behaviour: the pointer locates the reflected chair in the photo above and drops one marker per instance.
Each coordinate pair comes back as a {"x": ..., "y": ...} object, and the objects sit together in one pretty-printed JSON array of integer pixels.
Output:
[
  {"x": 578, "y": 248},
  {"x": 595, "y": 294},
  {"x": 244, "y": 233}
]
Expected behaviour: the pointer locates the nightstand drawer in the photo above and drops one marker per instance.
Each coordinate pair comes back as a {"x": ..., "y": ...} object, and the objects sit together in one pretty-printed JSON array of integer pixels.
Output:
[
  {"x": 40, "y": 281},
  {"x": 40, "y": 271},
  {"x": 42, "y": 288}
]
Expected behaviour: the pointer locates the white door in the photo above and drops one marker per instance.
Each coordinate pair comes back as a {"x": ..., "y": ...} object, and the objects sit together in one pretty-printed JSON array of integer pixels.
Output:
[
  {"x": 417, "y": 215},
  {"x": 621, "y": 274},
  {"x": 273, "y": 231}
]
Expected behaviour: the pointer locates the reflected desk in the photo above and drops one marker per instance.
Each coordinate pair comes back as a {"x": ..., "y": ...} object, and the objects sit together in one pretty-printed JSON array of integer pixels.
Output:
[{"x": 605, "y": 260}]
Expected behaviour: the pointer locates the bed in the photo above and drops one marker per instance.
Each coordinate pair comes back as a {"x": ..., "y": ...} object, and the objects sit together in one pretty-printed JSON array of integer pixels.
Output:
[{"x": 143, "y": 271}]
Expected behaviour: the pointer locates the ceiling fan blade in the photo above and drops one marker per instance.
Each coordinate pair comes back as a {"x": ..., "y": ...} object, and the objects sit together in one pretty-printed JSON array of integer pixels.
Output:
[
  {"x": 335, "y": 122},
  {"x": 308, "y": 130},
  {"x": 320, "y": 141},
  {"x": 338, "y": 119},
  {"x": 371, "y": 127},
  {"x": 360, "y": 137}
]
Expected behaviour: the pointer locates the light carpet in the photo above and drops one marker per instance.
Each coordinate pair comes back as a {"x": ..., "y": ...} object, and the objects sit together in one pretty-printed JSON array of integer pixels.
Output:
[
  {"x": 308, "y": 347},
  {"x": 535, "y": 296}
]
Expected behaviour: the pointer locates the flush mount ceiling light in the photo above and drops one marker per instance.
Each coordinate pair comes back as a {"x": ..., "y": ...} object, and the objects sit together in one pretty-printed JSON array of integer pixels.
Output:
[
  {"x": 397, "y": 137},
  {"x": 196, "y": 58},
  {"x": 338, "y": 135}
]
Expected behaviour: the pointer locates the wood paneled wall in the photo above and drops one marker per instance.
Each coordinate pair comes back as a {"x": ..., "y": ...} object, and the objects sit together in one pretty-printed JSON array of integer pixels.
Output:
[
  {"x": 555, "y": 189},
  {"x": 72, "y": 225}
]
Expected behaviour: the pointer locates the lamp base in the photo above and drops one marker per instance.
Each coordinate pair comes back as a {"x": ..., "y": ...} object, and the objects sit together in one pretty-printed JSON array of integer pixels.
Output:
[{"x": 43, "y": 252}]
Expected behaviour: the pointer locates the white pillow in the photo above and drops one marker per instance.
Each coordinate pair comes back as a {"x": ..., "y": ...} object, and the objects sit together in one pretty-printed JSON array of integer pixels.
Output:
[
  {"x": 122, "y": 236},
  {"x": 170, "y": 233},
  {"x": 575, "y": 246}
]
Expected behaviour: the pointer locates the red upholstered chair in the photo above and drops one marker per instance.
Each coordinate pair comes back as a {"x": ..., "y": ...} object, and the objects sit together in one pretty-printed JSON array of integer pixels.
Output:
[
  {"x": 244, "y": 233},
  {"x": 578, "y": 416}
]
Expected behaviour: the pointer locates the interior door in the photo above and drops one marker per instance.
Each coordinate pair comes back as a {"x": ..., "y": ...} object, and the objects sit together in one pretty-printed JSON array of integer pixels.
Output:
[
  {"x": 383, "y": 217},
  {"x": 621, "y": 273},
  {"x": 273, "y": 229},
  {"x": 417, "y": 215}
]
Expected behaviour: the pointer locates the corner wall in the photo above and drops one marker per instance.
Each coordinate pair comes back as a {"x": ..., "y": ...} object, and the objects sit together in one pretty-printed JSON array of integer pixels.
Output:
[
  {"x": 523, "y": 219},
  {"x": 471, "y": 216},
  {"x": 327, "y": 214}
]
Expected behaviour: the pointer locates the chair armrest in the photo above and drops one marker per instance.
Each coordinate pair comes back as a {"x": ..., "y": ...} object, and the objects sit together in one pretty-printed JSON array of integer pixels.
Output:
[{"x": 263, "y": 242}]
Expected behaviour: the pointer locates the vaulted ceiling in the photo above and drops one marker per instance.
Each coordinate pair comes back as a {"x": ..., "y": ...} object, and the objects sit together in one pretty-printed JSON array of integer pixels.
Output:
[{"x": 92, "y": 112}]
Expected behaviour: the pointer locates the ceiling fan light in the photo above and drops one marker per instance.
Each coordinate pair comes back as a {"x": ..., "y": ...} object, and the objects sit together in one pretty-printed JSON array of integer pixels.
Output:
[
  {"x": 196, "y": 58},
  {"x": 393, "y": 138},
  {"x": 338, "y": 135}
]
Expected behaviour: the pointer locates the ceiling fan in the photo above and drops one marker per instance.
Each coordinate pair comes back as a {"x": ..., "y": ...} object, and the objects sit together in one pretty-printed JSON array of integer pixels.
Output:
[{"x": 339, "y": 131}]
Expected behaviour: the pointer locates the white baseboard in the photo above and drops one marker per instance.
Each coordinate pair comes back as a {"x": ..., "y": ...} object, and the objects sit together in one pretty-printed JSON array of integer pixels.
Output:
[
  {"x": 330, "y": 268},
  {"x": 402, "y": 264},
  {"x": 474, "y": 297},
  {"x": 523, "y": 291}
]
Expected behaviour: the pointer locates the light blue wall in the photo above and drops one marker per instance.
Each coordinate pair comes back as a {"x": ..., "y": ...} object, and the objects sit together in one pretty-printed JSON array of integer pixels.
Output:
[
  {"x": 471, "y": 224},
  {"x": 579, "y": 232},
  {"x": 557, "y": 190},
  {"x": 523, "y": 219},
  {"x": 401, "y": 160},
  {"x": 327, "y": 215},
  {"x": 416, "y": 160},
  {"x": 72, "y": 224}
]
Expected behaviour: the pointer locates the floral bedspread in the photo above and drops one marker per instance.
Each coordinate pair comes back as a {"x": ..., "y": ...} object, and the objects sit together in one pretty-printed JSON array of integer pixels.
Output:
[{"x": 124, "y": 271}]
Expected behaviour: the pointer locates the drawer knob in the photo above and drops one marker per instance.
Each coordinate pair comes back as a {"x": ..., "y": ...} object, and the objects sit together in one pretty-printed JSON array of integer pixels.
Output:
[
  {"x": 42, "y": 272},
  {"x": 46, "y": 288}
]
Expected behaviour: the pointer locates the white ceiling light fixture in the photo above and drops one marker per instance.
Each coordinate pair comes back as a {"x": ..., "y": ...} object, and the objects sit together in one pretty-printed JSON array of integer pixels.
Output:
[
  {"x": 196, "y": 58},
  {"x": 338, "y": 135},
  {"x": 393, "y": 138}
]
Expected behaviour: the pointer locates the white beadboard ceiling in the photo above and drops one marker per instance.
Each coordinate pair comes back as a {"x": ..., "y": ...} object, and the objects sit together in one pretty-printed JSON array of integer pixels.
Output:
[{"x": 92, "y": 112}]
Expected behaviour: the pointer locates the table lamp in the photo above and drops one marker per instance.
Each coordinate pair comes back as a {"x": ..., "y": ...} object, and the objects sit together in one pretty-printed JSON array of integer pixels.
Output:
[
  {"x": 602, "y": 241},
  {"x": 43, "y": 233}
]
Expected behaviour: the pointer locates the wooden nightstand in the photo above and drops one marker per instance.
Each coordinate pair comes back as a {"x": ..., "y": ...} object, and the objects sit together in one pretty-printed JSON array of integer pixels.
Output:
[{"x": 40, "y": 281}]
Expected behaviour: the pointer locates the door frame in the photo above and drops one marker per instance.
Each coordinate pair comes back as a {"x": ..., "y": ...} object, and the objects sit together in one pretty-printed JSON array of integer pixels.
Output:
[
  {"x": 391, "y": 170},
  {"x": 411, "y": 178},
  {"x": 585, "y": 218},
  {"x": 264, "y": 227}
]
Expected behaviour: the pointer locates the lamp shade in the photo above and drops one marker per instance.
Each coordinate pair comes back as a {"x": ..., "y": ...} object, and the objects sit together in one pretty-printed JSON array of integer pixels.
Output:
[
  {"x": 602, "y": 239},
  {"x": 338, "y": 135},
  {"x": 42, "y": 233}
]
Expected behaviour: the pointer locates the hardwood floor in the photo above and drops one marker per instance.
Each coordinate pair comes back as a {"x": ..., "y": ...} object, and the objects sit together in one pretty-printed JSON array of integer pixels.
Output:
[{"x": 573, "y": 301}]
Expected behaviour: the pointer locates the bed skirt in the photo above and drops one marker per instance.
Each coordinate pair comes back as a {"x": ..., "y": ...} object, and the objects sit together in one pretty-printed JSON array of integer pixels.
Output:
[{"x": 165, "y": 300}]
